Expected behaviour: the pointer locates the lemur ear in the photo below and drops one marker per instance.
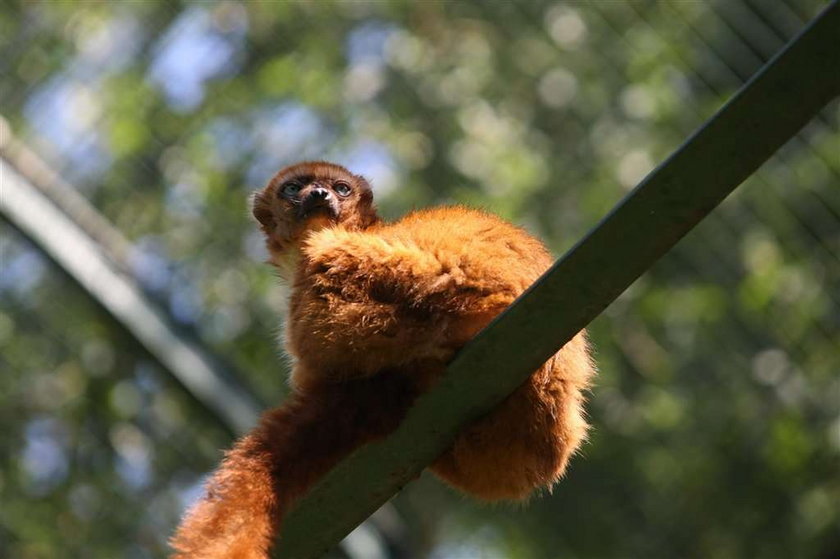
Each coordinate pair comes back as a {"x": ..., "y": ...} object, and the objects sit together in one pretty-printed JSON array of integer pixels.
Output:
[
  {"x": 366, "y": 208},
  {"x": 366, "y": 194},
  {"x": 365, "y": 190},
  {"x": 261, "y": 208}
]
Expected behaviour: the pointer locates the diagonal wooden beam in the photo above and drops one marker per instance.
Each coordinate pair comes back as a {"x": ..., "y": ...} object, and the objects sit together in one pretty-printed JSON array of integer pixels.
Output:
[{"x": 777, "y": 102}]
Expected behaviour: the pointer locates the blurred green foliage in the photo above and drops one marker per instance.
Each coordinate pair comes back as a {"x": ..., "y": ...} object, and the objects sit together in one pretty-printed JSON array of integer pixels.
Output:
[{"x": 717, "y": 411}]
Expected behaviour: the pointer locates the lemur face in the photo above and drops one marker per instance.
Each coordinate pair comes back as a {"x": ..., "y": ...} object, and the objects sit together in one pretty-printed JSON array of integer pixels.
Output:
[{"x": 310, "y": 196}]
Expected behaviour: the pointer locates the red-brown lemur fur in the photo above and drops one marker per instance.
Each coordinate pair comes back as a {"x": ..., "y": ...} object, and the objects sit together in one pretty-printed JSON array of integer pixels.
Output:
[{"x": 377, "y": 310}]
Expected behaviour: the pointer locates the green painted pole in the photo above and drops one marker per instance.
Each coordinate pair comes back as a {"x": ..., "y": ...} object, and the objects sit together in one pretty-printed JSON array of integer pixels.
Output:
[{"x": 775, "y": 104}]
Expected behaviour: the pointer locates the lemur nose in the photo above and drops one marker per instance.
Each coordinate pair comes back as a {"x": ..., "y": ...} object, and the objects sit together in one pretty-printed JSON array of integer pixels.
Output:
[{"x": 321, "y": 193}]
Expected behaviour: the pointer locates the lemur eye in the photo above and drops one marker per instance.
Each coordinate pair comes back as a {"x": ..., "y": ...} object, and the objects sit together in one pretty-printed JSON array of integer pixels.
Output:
[
  {"x": 342, "y": 188},
  {"x": 291, "y": 188}
]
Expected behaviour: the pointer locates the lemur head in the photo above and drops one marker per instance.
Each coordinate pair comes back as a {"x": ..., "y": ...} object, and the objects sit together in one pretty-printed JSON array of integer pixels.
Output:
[{"x": 309, "y": 196}]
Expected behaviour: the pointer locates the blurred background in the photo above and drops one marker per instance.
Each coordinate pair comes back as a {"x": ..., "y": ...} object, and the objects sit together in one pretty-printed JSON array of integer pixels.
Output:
[{"x": 132, "y": 133}]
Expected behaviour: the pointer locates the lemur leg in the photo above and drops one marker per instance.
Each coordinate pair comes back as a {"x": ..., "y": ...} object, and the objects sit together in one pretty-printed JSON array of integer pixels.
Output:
[{"x": 526, "y": 442}]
